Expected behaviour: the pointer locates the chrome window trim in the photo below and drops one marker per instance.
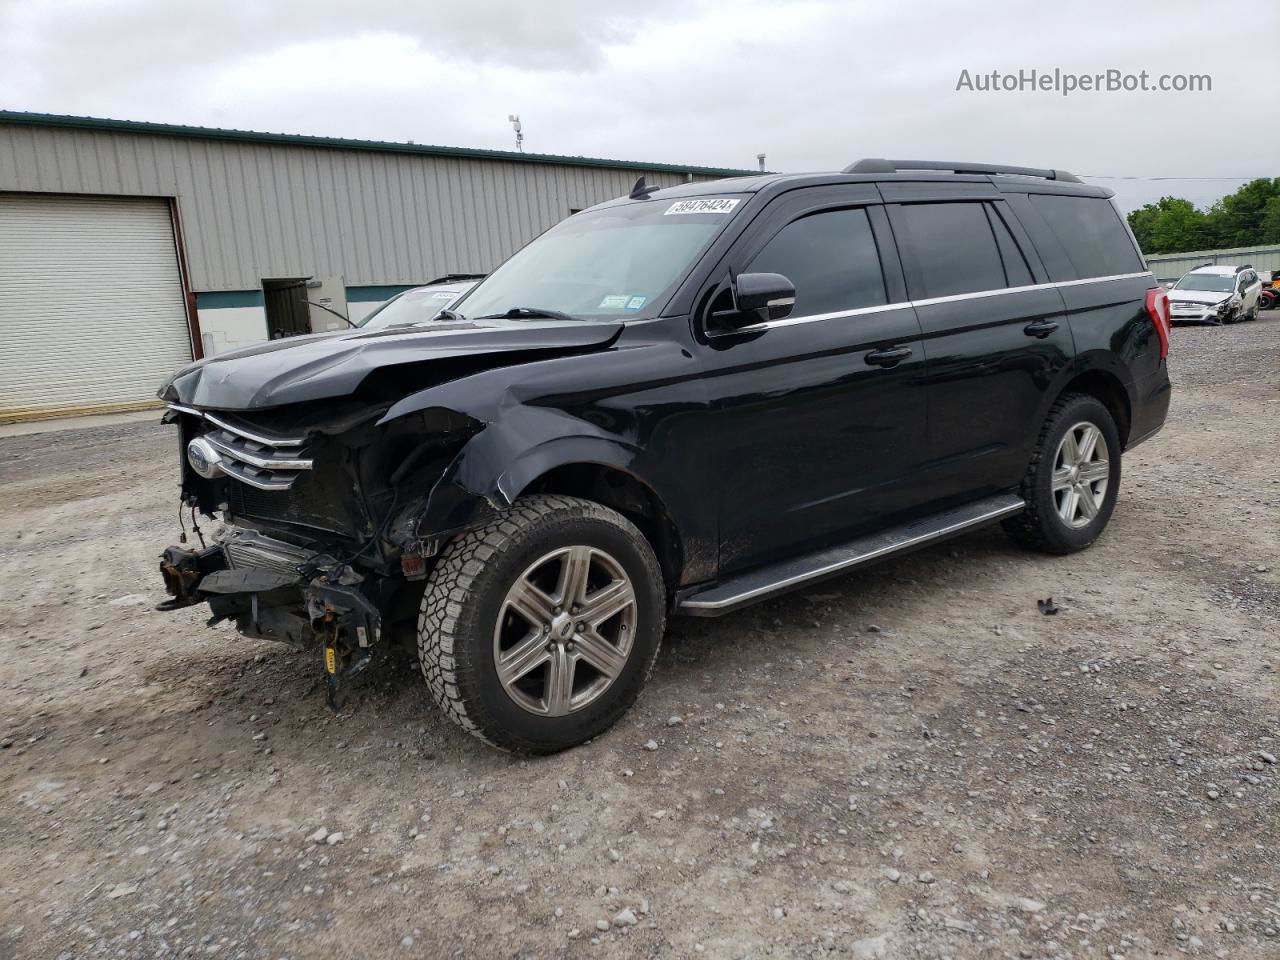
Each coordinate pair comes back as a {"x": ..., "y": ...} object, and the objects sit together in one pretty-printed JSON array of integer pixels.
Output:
[
  {"x": 928, "y": 301},
  {"x": 1031, "y": 286},
  {"x": 814, "y": 317}
]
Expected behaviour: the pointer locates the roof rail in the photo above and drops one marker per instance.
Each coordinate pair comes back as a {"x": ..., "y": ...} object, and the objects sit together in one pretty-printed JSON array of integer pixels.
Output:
[{"x": 895, "y": 166}]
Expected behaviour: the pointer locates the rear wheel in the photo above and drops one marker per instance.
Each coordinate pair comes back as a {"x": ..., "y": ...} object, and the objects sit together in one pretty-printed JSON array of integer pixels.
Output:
[
  {"x": 1073, "y": 478},
  {"x": 538, "y": 630}
]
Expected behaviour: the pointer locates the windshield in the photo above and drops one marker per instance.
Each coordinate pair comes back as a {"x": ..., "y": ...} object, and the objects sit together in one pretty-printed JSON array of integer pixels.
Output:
[
  {"x": 616, "y": 262},
  {"x": 413, "y": 306},
  {"x": 1208, "y": 282}
]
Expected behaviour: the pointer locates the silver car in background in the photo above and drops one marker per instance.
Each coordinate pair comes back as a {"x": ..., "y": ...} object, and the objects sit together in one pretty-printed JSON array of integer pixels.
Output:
[
  {"x": 1216, "y": 294},
  {"x": 420, "y": 304}
]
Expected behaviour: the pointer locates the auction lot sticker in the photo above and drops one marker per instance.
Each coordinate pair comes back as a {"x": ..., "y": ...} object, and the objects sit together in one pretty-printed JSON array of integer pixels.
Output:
[{"x": 704, "y": 205}]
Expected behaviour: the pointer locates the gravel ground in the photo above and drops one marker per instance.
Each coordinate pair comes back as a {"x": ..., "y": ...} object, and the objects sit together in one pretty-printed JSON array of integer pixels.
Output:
[{"x": 907, "y": 762}]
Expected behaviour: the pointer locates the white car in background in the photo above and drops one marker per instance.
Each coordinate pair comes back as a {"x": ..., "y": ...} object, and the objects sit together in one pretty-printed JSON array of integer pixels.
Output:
[
  {"x": 1216, "y": 294},
  {"x": 420, "y": 304}
]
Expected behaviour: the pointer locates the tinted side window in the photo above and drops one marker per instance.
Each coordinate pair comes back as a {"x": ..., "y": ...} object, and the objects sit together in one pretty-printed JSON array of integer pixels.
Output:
[
  {"x": 1091, "y": 233},
  {"x": 1017, "y": 273},
  {"x": 832, "y": 260},
  {"x": 955, "y": 250}
]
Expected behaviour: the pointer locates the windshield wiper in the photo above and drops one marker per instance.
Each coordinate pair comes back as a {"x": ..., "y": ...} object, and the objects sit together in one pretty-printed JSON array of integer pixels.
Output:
[{"x": 524, "y": 313}]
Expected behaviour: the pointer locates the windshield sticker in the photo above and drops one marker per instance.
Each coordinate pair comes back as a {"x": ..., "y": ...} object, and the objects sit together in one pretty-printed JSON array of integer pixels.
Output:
[
  {"x": 443, "y": 296},
  {"x": 617, "y": 301},
  {"x": 635, "y": 303},
  {"x": 715, "y": 205}
]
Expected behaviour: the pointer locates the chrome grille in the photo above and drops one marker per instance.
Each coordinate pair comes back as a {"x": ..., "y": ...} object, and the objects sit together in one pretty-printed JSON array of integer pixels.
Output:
[
  {"x": 266, "y": 465},
  {"x": 262, "y": 461}
]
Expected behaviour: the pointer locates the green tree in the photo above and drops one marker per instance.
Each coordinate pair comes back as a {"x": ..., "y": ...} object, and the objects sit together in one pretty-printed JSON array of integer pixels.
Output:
[
  {"x": 1171, "y": 225},
  {"x": 1236, "y": 219},
  {"x": 1245, "y": 218},
  {"x": 1180, "y": 226},
  {"x": 1271, "y": 221},
  {"x": 1142, "y": 223}
]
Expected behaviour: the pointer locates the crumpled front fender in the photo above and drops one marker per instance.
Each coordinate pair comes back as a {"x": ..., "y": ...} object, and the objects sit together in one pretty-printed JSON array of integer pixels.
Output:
[{"x": 518, "y": 442}]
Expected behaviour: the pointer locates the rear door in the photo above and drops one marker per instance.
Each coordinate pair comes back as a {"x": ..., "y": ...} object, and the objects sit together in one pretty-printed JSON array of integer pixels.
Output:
[
  {"x": 1250, "y": 289},
  {"x": 996, "y": 339},
  {"x": 819, "y": 418},
  {"x": 1092, "y": 257}
]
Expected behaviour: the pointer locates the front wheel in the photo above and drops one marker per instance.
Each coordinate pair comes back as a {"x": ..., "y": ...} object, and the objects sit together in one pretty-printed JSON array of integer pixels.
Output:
[
  {"x": 1073, "y": 478},
  {"x": 538, "y": 630}
]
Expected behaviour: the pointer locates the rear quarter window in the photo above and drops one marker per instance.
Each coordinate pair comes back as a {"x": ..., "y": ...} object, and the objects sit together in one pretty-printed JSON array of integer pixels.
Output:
[{"x": 1091, "y": 233}]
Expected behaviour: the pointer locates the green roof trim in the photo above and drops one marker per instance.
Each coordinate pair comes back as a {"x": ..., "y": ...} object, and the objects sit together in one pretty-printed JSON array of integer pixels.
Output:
[
  {"x": 302, "y": 140},
  {"x": 221, "y": 299},
  {"x": 378, "y": 292}
]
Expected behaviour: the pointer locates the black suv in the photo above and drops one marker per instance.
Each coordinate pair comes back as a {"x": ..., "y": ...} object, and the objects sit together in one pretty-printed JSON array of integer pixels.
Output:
[{"x": 677, "y": 402}]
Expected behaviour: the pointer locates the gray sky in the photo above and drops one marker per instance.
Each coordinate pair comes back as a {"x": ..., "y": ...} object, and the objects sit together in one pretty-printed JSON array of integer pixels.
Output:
[{"x": 714, "y": 82}]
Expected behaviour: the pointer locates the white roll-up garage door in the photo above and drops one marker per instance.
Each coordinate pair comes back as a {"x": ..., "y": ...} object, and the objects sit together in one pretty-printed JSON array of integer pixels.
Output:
[{"x": 91, "y": 305}]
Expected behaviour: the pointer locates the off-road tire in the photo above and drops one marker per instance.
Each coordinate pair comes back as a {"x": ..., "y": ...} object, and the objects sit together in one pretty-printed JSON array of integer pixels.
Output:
[
  {"x": 1039, "y": 527},
  {"x": 466, "y": 590}
]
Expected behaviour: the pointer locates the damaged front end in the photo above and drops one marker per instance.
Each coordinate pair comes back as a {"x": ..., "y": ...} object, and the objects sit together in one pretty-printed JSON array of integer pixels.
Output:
[
  {"x": 339, "y": 467},
  {"x": 319, "y": 543},
  {"x": 305, "y": 599}
]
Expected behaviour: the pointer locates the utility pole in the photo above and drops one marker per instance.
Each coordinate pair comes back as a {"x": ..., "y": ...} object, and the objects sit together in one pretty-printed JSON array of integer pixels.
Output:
[{"x": 514, "y": 120}]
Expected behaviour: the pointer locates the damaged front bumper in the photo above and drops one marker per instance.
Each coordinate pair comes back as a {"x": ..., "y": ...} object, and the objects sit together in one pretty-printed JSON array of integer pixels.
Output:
[{"x": 275, "y": 590}]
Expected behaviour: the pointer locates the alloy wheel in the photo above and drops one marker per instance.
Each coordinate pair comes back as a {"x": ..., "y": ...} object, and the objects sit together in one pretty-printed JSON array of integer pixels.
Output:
[
  {"x": 1081, "y": 471},
  {"x": 565, "y": 630}
]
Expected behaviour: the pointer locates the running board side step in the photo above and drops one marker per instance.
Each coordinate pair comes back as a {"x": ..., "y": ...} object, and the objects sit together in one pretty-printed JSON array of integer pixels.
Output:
[{"x": 730, "y": 595}]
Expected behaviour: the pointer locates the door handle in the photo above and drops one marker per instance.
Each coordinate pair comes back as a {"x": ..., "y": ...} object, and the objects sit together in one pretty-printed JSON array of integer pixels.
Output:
[
  {"x": 1040, "y": 328},
  {"x": 887, "y": 356}
]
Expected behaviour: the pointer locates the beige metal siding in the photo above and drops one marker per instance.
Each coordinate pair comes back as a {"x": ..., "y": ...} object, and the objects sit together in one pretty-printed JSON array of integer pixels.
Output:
[
  {"x": 91, "y": 304},
  {"x": 255, "y": 210},
  {"x": 1171, "y": 266}
]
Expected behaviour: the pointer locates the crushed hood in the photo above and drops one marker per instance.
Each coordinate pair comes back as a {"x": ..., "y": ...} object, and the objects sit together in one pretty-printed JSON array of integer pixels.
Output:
[{"x": 324, "y": 365}]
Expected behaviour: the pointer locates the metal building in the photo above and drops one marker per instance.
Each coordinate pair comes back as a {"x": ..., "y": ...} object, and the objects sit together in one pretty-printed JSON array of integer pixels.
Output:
[
  {"x": 1171, "y": 266},
  {"x": 127, "y": 249}
]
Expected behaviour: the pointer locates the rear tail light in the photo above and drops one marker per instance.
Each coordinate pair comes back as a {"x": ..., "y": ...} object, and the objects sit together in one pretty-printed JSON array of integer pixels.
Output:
[{"x": 1158, "y": 310}]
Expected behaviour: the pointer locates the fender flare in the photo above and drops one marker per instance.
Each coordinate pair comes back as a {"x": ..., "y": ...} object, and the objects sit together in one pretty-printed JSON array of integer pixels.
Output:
[
  {"x": 516, "y": 444},
  {"x": 1091, "y": 361},
  {"x": 566, "y": 451}
]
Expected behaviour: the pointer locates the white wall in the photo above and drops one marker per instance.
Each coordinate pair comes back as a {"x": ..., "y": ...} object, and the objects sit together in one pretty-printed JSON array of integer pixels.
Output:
[{"x": 225, "y": 328}]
